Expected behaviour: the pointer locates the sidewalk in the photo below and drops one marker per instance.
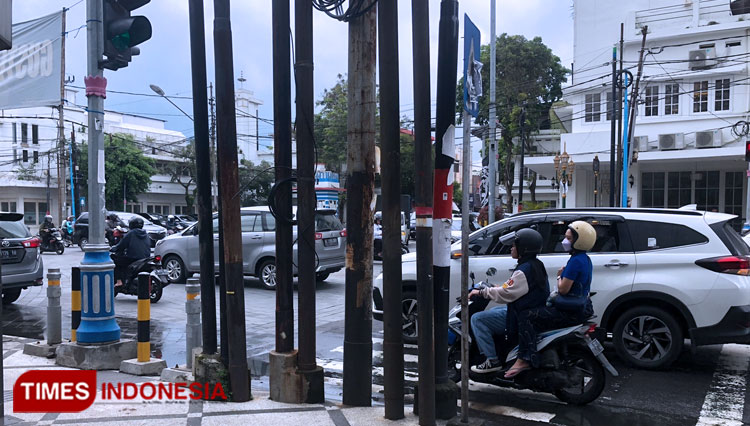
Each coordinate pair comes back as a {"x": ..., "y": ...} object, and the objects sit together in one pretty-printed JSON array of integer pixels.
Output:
[{"x": 260, "y": 410}]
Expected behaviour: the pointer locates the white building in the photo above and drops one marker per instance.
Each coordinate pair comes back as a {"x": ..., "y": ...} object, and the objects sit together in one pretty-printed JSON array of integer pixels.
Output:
[
  {"x": 694, "y": 89},
  {"x": 251, "y": 145},
  {"x": 30, "y": 138}
]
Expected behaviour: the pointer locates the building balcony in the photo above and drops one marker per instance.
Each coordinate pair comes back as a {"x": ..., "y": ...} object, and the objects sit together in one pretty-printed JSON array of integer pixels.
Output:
[{"x": 686, "y": 14}]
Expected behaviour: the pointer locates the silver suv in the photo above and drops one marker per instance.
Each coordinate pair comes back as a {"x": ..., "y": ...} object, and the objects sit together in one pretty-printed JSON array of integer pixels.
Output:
[
  {"x": 180, "y": 252},
  {"x": 22, "y": 265}
]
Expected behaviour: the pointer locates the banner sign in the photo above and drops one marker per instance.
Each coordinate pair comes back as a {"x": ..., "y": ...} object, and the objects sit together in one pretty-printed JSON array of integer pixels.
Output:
[
  {"x": 472, "y": 67},
  {"x": 30, "y": 71}
]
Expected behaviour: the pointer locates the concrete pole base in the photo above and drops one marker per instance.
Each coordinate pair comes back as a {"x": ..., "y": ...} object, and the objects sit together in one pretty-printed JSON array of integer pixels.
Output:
[
  {"x": 40, "y": 349},
  {"x": 209, "y": 369},
  {"x": 108, "y": 356},
  {"x": 470, "y": 422},
  {"x": 152, "y": 367},
  {"x": 284, "y": 381},
  {"x": 177, "y": 375},
  {"x": 312, "y": 386},
  {"x": 446, "y": 400}
]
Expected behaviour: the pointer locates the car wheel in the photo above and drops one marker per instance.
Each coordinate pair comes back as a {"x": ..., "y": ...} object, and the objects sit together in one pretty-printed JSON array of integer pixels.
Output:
[
  {"x": 175, "y": 269},
  {"x": 409, "y": 317},
  {"x": 11, "y": 295},
  {"x": 321, "y": 276},
  {"x": 648, "y": 337},
  {"x": 82, "y": 242},
  {"x": 267, "y": 274}
]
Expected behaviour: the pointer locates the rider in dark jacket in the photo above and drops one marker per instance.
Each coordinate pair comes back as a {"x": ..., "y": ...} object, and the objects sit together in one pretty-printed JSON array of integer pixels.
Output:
[
  {"x": 45, "y": 229},
  {"x": 134, "y": 246}
]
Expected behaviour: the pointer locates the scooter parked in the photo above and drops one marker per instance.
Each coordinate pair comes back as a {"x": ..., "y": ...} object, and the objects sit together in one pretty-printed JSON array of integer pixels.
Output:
[{"x": 572, "y": 361}]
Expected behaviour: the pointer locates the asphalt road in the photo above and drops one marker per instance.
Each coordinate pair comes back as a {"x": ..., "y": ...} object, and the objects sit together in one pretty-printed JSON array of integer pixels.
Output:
[{"x": 707, "y": 386}]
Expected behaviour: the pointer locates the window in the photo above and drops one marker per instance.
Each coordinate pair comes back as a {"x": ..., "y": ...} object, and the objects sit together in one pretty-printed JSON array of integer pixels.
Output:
[
  {"x": 35, "y": 134},
  {"x": 657, "y": 235},
  {"x": 733, "y": 197},
  {"x": 216, "y": 225},
  {"x": 652, "y": 101},
  {"x": 610, "y": 106},
  {"x": 249, "y": 223},
  {"x": 133, "y": 208},
  {"x": 24, "y": 133},
  {"x": 672, "y": 99},
  {"x": 158, "y": 209},
  {"x": 270, "y": 222},
  {"x": 8, "y": 206},
  {"x": 707, "y": 190},
  {"x": 593, "y": 107},
  {"x": 721, "y": 100},
  {"x": 487, "y": 243},
  {"x": 679, "y": 189},
  {"x": 36, "y": 156},
  {"x": 700, "y": 96},
  {"x": 15, "y": 133},
  {"x": 608, "y": 234},
  {"x": 327, "y": 222},
  {"x": 182, "y": 210},
  {"x": 652, "y": 189},
  {"x": 34, "y": 212},
  {"x": 25, "y": 156}
]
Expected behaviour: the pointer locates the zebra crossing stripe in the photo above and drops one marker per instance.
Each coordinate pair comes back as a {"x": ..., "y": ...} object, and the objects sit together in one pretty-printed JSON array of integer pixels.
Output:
[{"x": 725, "y": 400}]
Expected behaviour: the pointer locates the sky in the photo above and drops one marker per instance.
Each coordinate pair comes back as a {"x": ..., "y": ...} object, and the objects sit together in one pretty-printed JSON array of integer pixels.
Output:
[{"x": 165, "y": 59}]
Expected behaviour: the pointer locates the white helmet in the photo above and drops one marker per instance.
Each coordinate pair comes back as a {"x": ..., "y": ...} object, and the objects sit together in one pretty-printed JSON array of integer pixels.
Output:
[{"x": 584, "y": 234}]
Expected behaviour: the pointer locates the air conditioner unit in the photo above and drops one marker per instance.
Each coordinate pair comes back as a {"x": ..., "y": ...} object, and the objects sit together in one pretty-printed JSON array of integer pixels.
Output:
[
  {"x": 644, "y": 145},
  {"x": 702, "y": 58},
  {"x": 708, "y": 139},
  {"x": 671, "y": 141}
]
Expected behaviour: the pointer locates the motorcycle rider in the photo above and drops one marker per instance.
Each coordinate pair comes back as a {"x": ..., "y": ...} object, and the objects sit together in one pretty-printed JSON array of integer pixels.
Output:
[
  {"x": 527, "y": 288},
  {"x": 67, "y": 227},
  {"x": 134, "y": 246},
  {"x": 45, "y": 230},
  {"x": 574, "y": 283}
]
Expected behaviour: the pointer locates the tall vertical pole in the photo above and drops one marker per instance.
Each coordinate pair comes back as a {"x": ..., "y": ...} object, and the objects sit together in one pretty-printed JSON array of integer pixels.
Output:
[
  {"x": 230, "y": 204},
  {"x": 393, "y": 345},
  {"x": 616, "y": 166},
  {"x": 303, "y": 70},
  {"x": 203, "y": 178},
  {"x": 61, "y": 182},
  {"x": 522, "y": 138},
  {"x": 631, "y": 126},
  {"x": 423, "y": 209},
  {"x": 612, "y": 143},
  {"x": 466, "y": 176},
  {"x": 445, "y": 152},
  {"x": 360, "y": 185},
  {"x": 282, "y": 118},
  {"x": 73, "y": 191},
  {"x": 212, "y": 136},
  {"x": 493, "y": 115}
]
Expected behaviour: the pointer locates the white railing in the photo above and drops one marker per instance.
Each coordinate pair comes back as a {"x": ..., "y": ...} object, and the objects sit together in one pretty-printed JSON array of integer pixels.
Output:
[{"x": 685, "y": 13}]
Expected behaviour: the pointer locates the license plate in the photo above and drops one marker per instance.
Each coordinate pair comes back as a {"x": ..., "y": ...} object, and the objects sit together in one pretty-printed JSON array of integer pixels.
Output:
[
  {"x": 6, "y": 254},
  {"x": 330, "y": 242},
  {"x": 595, "y": 347}
]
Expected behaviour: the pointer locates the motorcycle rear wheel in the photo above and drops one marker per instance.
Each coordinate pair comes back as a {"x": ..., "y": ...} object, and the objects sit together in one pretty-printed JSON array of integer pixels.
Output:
[
  {"x": 581, "y": 360},
  {"x": 60, "y": 248},
  {"x": 156, "y": 291}
]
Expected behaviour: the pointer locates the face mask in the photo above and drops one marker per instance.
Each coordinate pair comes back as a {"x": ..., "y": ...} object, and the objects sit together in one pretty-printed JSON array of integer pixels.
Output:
[{"x": 567, "y": 245}]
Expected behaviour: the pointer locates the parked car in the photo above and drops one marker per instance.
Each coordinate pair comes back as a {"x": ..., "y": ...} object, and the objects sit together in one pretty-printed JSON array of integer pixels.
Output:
[
  {"x": 180, "y": 252},
  {"x": 404, "y": 227},
  {"x": 660, "y": 276},
  {"x": 155, "y": 232},
  {"x": 22, "y": 265},
  {"x": 155, "y": 218}
]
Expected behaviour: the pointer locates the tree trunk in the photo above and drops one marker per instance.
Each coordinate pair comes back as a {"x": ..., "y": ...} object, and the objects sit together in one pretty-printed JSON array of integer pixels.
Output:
[{"x": 532, "y": 187}]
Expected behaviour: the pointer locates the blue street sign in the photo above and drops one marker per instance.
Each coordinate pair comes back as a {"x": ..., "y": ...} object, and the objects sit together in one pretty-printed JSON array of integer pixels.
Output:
[{"x": 472, "y": 67}]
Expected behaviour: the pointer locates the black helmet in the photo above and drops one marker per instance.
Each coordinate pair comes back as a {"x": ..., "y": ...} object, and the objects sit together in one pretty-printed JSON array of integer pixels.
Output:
[
  {"x": 527, "y": 241},
  {"x": 135, "y": 223}
]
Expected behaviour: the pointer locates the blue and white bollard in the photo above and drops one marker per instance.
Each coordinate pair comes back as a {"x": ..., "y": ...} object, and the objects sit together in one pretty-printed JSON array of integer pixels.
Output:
[{"x": 98, "y": 324}]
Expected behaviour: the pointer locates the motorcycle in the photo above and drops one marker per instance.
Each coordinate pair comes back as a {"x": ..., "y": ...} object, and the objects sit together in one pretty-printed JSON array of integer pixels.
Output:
[
  {"x": 116, "y": 235},
  {"x": 53, "y": 242},
  {"x": 378, "y": 248},
  {"x": 572, "y": 362},
  {"x": 158, "y": 278}
]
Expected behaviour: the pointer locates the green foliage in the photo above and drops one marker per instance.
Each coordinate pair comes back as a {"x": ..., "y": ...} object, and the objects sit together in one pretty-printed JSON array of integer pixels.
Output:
[
  {"x": 27, "y": 172},
  {"x": 330, "y": 126},
  {"x": 528, "y": 75},
  {"x": 535, "y": 205},
  {"x": 408, "y": 173},
  {"x": 255, "y": 183},
  {"x": 184, "y": 171},
  {"x": 125, "y": 167},
  {"x": 458, "y": 194}
]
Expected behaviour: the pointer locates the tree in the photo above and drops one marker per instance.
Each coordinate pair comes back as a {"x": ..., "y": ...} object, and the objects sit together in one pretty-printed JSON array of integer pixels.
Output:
[
  {"x": 127, "y": 170},
  {"x": 458, "y": 194},
  {"x": 331, "y": 124},
  {"x": 255, "y": 183},
  {"x": 407, "y": 164},
  {"x": 528, "y": 75},
  {"x": 183, "y": 171}
]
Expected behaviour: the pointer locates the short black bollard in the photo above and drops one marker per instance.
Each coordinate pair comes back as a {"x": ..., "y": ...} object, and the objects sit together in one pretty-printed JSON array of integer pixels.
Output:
[
  {"x": 75, "y": 302},
  {"x": 144, "y": 317}
]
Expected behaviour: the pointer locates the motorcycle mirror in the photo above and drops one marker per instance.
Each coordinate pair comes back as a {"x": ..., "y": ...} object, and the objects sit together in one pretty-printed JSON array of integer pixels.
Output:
[
  {"x": 491, "y": 272},
  {"x": 471, "y": 275}
]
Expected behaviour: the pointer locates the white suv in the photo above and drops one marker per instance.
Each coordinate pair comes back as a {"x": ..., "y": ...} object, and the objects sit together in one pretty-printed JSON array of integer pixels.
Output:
[{"x": 660, "y": 276}]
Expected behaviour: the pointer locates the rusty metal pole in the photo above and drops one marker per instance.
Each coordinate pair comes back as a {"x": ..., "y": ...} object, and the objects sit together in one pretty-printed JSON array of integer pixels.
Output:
[
  {"x": 393, "y": 344},
  {"x": 360, "y": 185},
  {"x": 230, "y": 204},
  {"x": 423, "y": 208}
]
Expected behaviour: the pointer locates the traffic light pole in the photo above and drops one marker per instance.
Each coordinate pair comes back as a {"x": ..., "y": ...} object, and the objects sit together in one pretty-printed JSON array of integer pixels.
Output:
[{"x": 98, "y": 326}]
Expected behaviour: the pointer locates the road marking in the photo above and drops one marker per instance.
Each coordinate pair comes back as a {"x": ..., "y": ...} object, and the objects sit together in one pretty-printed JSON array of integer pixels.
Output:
[{"x": 725, "y": 400}]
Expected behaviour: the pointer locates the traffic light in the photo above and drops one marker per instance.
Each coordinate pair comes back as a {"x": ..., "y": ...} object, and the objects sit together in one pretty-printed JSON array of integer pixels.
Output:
[
  {"x": 123, "y": 32},
  {"x": 747, "y": 150}
]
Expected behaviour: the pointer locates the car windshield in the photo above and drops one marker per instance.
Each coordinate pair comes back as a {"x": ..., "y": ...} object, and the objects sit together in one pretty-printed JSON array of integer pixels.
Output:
[
  {"x": 125, "y": 217},
  {"x": 327, "y": 222},
  {"x": 14, "y": 230}
]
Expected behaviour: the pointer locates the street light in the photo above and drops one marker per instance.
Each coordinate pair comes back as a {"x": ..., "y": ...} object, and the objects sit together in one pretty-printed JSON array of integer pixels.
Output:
[
  {"x": 161, "y": 93},
  {"x": 564, "y": 169}
]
